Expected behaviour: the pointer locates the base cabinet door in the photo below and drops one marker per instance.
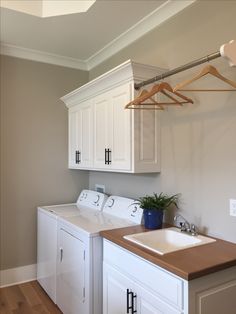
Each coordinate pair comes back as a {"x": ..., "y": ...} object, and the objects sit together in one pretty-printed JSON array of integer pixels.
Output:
[
  {"x": 71, "y": 274},
  {"x": 148, "y": 303},
  {"x": 117, "y": 292},
  {"x": 122, "y": 295}
]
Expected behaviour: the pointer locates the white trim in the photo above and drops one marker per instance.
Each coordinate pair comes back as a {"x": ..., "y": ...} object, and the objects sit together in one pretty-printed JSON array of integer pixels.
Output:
[
  {"x": 145, "y": 25},
  {"x": 128, "y": 71},
  {"x": 148, "y": 23},
  {"x": 41, "y": 56},
  {"x": 14, "y": 276}
]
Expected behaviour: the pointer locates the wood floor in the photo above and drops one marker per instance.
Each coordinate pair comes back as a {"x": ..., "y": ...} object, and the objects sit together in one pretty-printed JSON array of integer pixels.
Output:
[{"x": 26, "y": 298}]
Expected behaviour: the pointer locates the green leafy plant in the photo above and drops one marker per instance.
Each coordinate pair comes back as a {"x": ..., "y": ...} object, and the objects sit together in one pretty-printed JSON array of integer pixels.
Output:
[{"x": 158, "y": 201}]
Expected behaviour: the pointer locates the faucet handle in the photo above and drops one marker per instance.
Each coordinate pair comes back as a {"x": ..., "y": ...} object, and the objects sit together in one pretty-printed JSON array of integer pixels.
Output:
[
  {"x": 193, "y": 230},
  {"x": 183, "y": 226}
]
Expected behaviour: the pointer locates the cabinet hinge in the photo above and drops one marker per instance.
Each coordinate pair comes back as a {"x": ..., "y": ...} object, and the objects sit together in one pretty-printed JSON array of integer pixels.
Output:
[
  {"x": 84, "y": 255},
  {"x": 84, "y": 292}
]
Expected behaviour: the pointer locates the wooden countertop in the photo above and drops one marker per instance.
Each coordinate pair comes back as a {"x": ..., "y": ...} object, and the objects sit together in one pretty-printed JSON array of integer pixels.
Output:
[{"x": 189, "y": 263}]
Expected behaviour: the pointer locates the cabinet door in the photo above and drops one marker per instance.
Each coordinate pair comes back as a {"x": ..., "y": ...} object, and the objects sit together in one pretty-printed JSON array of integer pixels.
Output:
[
  {"x": 120, "y": 128},
  {"x": 112, "y": 129},
  {"x": 73, "y": 136},
  {"x": 115, "y": 286},
  {"x": 147, "y": 140},
  {"x": 85, "y": 135},
  {"x": 81, "y": 136},
  {"x": 102, "y": 110},
  {"x": 70, "y": 274},
  {"x": 148, "y": 303}
]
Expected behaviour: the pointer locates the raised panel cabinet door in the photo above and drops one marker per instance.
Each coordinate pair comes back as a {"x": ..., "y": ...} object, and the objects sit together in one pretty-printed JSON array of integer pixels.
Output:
[
  {"x": 85, "y": 135},
  {"x": 115, "y": 286},
  {"x": 149, "y": 303},
  {"x": 101, "y": 131},
  {"x": 120, "y": 128},
  {"x": 73, "y": 136},
  {"x": 147, "y": 140},
  {"x": 70, "y": 273}
]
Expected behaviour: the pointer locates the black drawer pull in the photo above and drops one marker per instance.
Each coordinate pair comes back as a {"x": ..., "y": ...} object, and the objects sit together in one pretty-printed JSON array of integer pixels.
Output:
[
  {"x": 106, "y": 157},
  {"x": 109, "y": 156},
  {"x": 77, "y": 157},
  {"x": 134, "y": 296},
  {"x": 128, "y": 307}
]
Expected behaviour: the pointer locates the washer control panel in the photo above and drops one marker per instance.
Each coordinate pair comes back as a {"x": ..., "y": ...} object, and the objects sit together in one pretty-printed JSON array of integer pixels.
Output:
[
  {"x": 125, "y": 208},
  {"x": 92, "y": 199}
]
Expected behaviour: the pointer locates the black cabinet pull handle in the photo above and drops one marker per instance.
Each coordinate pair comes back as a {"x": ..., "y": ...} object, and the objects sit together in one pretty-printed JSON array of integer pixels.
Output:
[
  {"x": 106, "y": 156},
  {"x": 109, "y": 156},
  {"x": 128, "y": 307},
  {"x": 77, "y": 157},
  {"x": 134, "y": 296}
]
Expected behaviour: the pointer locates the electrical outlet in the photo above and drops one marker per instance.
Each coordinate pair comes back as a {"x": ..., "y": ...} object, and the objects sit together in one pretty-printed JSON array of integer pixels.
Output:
[
  {"x": 100, "y": 188},
  {"x": 232, "y": 207}
]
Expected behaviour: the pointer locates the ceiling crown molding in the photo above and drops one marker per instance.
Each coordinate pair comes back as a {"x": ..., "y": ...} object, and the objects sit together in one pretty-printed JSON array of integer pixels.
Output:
[
  {"x": 41, "y": 56},
  {"x": 148, "y": 23}
]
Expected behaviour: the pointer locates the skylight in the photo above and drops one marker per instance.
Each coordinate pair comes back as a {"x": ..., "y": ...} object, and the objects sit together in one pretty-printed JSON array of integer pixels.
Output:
[{"x": 47, "y": 8}]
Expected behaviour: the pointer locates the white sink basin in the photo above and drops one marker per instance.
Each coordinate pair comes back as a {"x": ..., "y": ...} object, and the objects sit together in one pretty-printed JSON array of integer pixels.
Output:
[{"x": 167, "y": 240}]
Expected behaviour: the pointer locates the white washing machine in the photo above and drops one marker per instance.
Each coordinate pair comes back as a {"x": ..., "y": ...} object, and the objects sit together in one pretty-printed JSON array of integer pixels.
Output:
[
  {"x": 47, "y": 235},
  {"x": 78, "y": 254}
]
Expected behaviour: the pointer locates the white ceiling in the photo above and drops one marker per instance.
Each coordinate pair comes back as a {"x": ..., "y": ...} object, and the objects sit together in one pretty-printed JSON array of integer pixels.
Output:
[{"x": 83, "y": 40}]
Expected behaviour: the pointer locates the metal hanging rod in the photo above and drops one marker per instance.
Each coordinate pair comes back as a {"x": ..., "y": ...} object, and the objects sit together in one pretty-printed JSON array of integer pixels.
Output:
[{"x": 179, "y": 69}]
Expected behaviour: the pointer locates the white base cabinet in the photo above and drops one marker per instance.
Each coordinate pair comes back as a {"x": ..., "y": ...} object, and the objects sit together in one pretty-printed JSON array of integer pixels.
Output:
[
  {"x": 134, "y": 285},
  {"x": 103, "y": 135}
]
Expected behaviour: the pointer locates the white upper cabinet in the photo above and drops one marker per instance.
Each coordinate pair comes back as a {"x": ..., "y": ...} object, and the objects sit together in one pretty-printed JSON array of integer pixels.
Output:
[{"x": 102, "y": 134}]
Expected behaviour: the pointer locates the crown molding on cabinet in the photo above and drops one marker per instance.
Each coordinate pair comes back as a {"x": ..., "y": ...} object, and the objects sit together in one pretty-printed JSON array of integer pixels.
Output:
[
  {"x": 41, "y": 56},
  {"x": 148, "y": 23},
  {"x": 122, "y": 73}
]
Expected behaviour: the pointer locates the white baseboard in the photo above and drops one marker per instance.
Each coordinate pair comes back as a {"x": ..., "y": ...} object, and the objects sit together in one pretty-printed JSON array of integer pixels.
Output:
[{"x": 14, "y": 276}]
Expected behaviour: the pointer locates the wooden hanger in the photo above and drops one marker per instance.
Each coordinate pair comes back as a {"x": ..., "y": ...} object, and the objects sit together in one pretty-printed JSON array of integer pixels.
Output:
[
  {"x": 137, "y": 102},
  {"x": 209, "y": 69},
  {"x": 165, "y": 89}
]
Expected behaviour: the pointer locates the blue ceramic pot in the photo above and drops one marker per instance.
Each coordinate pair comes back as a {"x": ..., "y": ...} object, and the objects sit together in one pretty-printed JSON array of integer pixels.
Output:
[{"x": 153, "y": 218}]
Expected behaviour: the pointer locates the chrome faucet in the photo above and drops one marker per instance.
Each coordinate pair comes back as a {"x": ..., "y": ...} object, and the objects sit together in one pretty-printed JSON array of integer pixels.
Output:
[{"x": 185, "y": 226}]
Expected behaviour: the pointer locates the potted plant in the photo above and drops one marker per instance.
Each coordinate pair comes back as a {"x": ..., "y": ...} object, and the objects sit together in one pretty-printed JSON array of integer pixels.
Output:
[{"x": 154, "y": 206}]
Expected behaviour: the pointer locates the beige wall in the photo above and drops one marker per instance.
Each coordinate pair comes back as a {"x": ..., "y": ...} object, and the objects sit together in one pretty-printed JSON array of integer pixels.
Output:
[
  {"x": 33, "y": 151},
  {"x": 198, "y": 141},
  {"x": 198, "y": 152}
]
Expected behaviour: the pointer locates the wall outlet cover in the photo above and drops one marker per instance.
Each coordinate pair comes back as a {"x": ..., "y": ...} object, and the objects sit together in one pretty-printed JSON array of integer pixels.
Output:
[
  {"x": 100, "y": 188},
  {"x": 232, "y": 207}
]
